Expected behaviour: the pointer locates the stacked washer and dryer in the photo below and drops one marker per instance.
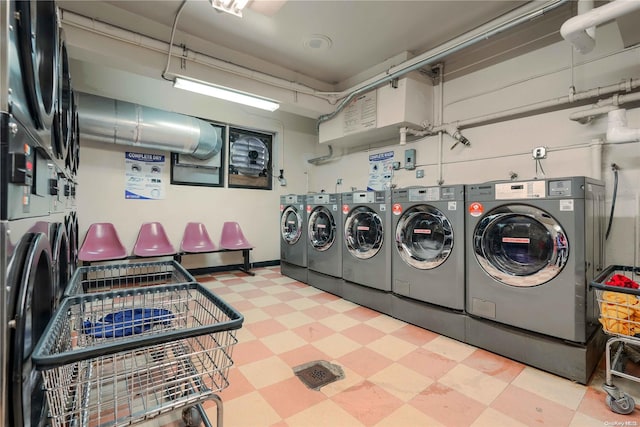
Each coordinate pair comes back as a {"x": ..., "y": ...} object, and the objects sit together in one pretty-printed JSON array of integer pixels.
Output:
[{"x": 38, "y": 151}]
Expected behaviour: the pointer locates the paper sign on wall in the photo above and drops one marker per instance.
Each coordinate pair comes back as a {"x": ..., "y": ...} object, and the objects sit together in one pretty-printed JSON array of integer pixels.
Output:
[
  {"x": 144, "y": 176},
  {"x": 380, "y": 171}
]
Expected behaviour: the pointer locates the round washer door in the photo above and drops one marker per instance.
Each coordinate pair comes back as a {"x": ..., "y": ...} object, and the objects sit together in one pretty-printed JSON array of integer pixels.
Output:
[
  {"x": 31, "y": 302},
  {"x": 38, "y": 34},
  {"x": 291, "y": 225},
  {"x": 61, "y": 260},
  {"x": 322, "y": 228},
  {"x": 520, "y": 245},
  {"x": 424, "y": 237},
  {"x": 363, "y": 232}
]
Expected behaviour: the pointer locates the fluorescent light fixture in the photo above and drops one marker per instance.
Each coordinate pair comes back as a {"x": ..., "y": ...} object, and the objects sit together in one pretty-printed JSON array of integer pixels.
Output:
[
  {"x": 205, "y": 88},
  {"x": 233, "y": 7}
]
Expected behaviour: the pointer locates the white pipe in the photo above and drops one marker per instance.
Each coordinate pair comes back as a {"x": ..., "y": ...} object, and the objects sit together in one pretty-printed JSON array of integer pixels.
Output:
[
  {"x": 585, "y": 6},
  {"x": 604, "y": 107},
  {"x": 575, "y": 29},
  {"x": 618, "y": 131},
  {"x": 403, "y": 135},
  {"x": 596, "y": 158},
  {"x": 440, "y": 142},
  {"x": 625, "y": 85}
]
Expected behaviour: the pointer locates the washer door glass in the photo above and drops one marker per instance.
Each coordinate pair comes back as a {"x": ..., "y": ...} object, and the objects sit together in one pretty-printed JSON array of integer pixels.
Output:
[
  {"x": 291, "y": 225},
  {"x": 38, "y": 35},
  {"x": 520, "y": 245},
  {"x": 424, "y": 237},
  {"x": 32, "y": 300},
  {"x": 363, "y": 232},
  {"x": 322, "y": 228}
]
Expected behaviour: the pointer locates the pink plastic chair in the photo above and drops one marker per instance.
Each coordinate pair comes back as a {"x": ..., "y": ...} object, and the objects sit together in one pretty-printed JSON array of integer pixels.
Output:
[
  {"x": 152, "y": 241},
  {"x": 102, "y": 243},
  {"x": 232, "y": 237},
  {"x": 196, "y": 239}
]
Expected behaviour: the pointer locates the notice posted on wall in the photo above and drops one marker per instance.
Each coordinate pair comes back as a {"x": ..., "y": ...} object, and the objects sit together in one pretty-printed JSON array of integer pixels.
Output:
[
  {"x": 361, "y": 113},
  {"x": 380, "y": 171},
  {"x": 144, "y": 176}
]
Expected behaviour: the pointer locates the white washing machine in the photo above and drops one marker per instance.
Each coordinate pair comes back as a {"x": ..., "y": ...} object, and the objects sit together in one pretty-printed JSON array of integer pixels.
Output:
[
  {"x": 324, "y": 249},
  {"x": 293, "y": 237},
  {"x": 366, "y": 259},
  {"x": 532, "y": 248}
]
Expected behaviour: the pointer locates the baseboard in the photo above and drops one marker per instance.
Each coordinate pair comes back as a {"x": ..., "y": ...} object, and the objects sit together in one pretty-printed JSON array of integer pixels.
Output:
[{"x": 231, "y": 267}]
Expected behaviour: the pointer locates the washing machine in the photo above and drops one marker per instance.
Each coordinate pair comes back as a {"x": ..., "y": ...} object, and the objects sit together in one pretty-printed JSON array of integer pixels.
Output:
[
  {"x": 532, "y": 248},
  {"x": 324, "y": 249},
  {"x": 366, "y": 259},
  {"x": 293, "y": 237},
  {"x": 33, "y": 238},
  {"x": 427, "y": 261}
]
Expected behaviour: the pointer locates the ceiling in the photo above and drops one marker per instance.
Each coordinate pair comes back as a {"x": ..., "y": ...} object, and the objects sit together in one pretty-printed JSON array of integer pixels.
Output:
[{"x": 327, "y": 45}]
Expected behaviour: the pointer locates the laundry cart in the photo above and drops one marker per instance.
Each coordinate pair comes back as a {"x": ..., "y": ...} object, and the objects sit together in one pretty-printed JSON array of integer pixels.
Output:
[
  {"x": 618, "y": 295},
  {"x": 109, "y": 277},
  {"x": 122, "y": 357}
]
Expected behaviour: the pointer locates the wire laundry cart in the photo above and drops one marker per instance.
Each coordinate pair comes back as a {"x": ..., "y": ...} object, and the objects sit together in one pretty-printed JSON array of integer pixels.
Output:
[
  {"x": 109, "y": 277},
  {"x": 619, "y": 305},
  {"x": 122, "y": 357}
]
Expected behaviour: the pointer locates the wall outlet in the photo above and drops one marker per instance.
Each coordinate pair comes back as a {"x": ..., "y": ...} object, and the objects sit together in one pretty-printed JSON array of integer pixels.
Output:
[
  {"x": 420, "y": 173},
  {"x": 339, "y": 181},
  {"x": 396, "y": 166},
  {"x": 539, "y": 153}
]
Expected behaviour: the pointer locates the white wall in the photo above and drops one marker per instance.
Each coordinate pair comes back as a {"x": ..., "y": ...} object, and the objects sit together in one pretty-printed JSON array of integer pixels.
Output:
[
  {"x": 101, "y": 173},
  {"x": 499, "y": 149}
]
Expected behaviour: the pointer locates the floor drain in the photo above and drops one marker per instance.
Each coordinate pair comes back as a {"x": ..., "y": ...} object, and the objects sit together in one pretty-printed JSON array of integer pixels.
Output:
[{"x": 318, "y": 373}]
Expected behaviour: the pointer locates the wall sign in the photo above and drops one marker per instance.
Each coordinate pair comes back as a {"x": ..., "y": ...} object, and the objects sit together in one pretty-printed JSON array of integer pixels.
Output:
[
  {"x": 380, "y": 171},
  {"x": 144, "y": 176}
]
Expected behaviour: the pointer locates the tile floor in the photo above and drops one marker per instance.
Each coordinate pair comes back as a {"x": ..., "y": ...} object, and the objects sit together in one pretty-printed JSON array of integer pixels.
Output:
[{"x": 396, "y": 374}]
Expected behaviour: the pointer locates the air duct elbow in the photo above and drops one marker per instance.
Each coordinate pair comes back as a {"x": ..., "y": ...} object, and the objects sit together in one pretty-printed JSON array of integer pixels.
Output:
[
  {"x": 618, "y": 131},
  {"x": 579, "y": 29}
]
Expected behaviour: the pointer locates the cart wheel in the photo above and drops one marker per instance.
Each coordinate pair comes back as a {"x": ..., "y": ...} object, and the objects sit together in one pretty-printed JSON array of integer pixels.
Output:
[
  {"x": 623, "y": 405},
  {"x": 191, "y": 417}
]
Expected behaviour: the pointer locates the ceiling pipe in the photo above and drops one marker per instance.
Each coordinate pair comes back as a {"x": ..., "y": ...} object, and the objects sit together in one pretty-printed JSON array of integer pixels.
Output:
[
  {"x": 321, "y": 159},
  {"x": 578, "y": 30},
  {"x": 618, "y": 130},
  {"x": 435, "y": 55}
]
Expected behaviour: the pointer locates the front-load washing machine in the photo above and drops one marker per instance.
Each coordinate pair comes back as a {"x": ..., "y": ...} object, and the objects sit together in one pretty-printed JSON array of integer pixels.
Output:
[
  {"x": 532, "y": 248},
  {"x": 427, "y": 261},
  {"x": 324, "y": 248},
  {"x": 366, "y": 259},
  {"x": 293, "y": 237}
]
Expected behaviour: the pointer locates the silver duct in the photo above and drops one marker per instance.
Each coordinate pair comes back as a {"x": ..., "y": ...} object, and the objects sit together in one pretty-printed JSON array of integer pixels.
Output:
[{"x": 118, "y": 122}]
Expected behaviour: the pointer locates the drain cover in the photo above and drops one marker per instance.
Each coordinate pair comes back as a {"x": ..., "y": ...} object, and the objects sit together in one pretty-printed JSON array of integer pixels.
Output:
[{"x": 318, "y": 373}]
